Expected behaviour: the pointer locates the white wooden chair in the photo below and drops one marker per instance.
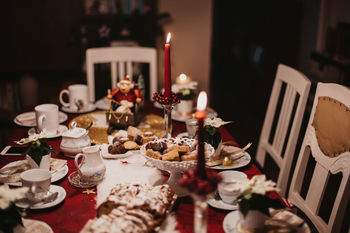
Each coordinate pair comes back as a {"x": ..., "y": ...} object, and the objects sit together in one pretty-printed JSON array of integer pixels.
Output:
[
  {"x": 296, "y": 83},
  {"x": 121, "y": 60},
  {"x": 327, "y": 137}
]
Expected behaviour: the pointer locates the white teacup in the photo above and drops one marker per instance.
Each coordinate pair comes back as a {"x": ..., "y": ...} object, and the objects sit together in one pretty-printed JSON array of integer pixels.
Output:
[
  {"x": 229, "y": 177},
  {"x": 38, "y": 181},
  {"x": 47, "y": 117},
  {"x": 78, "y": 96}
]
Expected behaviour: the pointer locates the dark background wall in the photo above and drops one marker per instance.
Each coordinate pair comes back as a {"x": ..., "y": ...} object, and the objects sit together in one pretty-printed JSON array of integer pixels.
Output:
[{"x": 250, "y": 39}]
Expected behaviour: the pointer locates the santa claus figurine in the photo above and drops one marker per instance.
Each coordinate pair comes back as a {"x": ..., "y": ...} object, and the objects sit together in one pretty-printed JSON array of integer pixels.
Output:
[{"x": 124, "y": 96}]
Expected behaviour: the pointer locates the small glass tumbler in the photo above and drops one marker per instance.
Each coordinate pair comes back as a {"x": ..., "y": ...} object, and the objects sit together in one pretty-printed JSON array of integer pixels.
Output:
[{"x": 191, "y": 127}]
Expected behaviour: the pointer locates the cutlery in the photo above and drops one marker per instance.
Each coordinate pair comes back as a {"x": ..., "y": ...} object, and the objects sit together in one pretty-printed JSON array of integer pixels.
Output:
[
  {"x": 89, "y": 126},
  {"x": 49, "y": 198},
  {"x": 14, "y": 169}
]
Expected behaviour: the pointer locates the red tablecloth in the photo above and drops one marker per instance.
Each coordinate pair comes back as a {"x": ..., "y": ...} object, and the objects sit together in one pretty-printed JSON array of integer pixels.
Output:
[{"x": 72, "y": 214}]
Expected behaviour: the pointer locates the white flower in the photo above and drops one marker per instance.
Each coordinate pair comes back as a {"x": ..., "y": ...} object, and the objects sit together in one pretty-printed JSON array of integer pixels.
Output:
[
  {"x": 8, "y": 195},
  {"x": 258, "y": 185},
  {"x": 215, "y": 122}
]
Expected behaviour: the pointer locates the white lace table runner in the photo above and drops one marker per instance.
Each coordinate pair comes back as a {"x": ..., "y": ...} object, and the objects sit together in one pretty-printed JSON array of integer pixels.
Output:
[{"x": 132, "y": 170}]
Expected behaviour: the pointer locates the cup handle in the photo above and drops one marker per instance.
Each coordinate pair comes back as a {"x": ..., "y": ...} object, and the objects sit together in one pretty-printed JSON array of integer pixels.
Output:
[
  {"x": 65, "y": 91},
  {"x": 77, "y": 159},
  {"x": 33, "y": 189},
  {"x": 40, "y": 121}
]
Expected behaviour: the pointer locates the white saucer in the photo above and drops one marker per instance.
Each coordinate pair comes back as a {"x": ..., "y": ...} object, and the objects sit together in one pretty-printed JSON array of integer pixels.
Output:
[
  {"x": 106, "y": 155},
  {"x": 56, "y": 176},
  {"x": 231, "y": 224},
  {"x": 53, "y": 188},
  {"x": 89, "y": 108},
  {"x": 103, "y": 103},
  {"x": 30, "y": 225},
  {"x": 59, "y": 132},
  {"x": 219, "y": 204},
  {"x": 28, "y": 119},
  {"x": 75, "y": 180},
  {"x": 241, "y": 162}
]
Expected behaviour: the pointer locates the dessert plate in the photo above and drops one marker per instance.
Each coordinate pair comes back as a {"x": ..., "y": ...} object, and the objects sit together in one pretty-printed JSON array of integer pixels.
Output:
[
  {"x": 216, "y": 202},
  {"x": 241, "y": 162},
  {"x": 55, "y": 176},
  {"x": 27, "y": 119},
  {"x": 30, "y": 225},
  {"x": 53, "y": 188},
  {"x": 61, "y": 129},
  {"x": 89, "y": 108},
  {"x": 231, "y": 224},
  {"x": 106, "y": 155},
  {"x": 103, "y": 103}
]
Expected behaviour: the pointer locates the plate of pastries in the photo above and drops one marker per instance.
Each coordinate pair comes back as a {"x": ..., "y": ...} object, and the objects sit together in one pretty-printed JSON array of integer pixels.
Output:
[
  {"x": 126, "y": 142},
  {"x": 174, "y": 153}
]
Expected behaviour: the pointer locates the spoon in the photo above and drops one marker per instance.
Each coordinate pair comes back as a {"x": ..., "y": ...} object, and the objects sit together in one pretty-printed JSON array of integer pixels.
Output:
[
  {"x": 89, "y": 126},
  {"x": 50, "y": 198}
]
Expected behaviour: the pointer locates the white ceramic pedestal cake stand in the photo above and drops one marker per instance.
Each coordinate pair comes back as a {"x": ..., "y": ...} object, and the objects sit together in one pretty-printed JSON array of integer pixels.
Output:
[{"x": 176, "y": 169}]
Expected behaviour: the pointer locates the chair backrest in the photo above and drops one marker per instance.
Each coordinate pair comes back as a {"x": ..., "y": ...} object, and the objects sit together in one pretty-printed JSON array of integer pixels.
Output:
[
  {"x": 121, "y": 60},
  {"x": 327, "y": 138},
  {"x": 280, "y": 150}
]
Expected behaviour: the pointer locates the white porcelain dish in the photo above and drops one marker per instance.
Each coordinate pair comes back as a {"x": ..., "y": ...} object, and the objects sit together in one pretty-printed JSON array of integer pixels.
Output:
[
  {"x": 219, "y": 204},
  {"x": 27, "y": 119},
  {"x": 61, "y": 129},
  {"x": 231, "y": 224},
  {"x": 53, "y": 188},
  {"x": 30, "y": 225},
  {"x": 241, "y": 162},
  {"x": 106, "y": 155},
  {"x": 103, "y": 103},
  {"x": 56, "y": 176},
  {"x": 89, "y": 108}
]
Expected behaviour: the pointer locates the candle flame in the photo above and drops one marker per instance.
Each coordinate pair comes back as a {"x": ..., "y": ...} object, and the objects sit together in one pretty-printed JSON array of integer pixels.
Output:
[
  {"x": 202, "y": 101},
  {"x": 183, "y": 77},
  {"x": 168, "y": 38}
]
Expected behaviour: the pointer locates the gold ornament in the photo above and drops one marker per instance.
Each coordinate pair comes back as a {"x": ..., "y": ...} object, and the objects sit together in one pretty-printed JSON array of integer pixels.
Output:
[{"x": 227, "y": 161}]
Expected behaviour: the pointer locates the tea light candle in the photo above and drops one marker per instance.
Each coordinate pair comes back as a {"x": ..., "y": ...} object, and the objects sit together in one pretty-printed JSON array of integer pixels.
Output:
[
  {"x": 183, "y": 79},
  {"x": 167, "y": 67},
  {"x": 200, "y": 115}
]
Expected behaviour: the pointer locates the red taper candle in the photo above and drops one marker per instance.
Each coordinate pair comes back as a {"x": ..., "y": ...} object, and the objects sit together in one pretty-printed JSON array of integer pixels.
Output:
[
  {"x": 167, "y": 67},
  {"x": 200, "y": 115}
]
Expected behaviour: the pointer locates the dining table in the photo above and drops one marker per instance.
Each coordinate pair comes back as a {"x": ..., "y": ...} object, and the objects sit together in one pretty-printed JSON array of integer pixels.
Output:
[{"x": 78, "y": 207}]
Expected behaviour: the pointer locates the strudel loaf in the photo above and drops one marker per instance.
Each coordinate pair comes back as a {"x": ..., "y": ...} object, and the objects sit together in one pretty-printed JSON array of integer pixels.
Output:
[{"x": 132, "y": 208}]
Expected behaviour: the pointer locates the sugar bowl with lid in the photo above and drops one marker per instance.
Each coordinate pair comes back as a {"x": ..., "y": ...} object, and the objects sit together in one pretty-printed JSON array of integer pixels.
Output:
[{"x": 74, "y": 140}]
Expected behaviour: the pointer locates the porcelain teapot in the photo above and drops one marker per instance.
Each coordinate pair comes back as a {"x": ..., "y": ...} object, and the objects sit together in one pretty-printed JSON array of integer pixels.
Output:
[
  {"x": 91, "y": 168},
  {"x": 74, "y": 140}
]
